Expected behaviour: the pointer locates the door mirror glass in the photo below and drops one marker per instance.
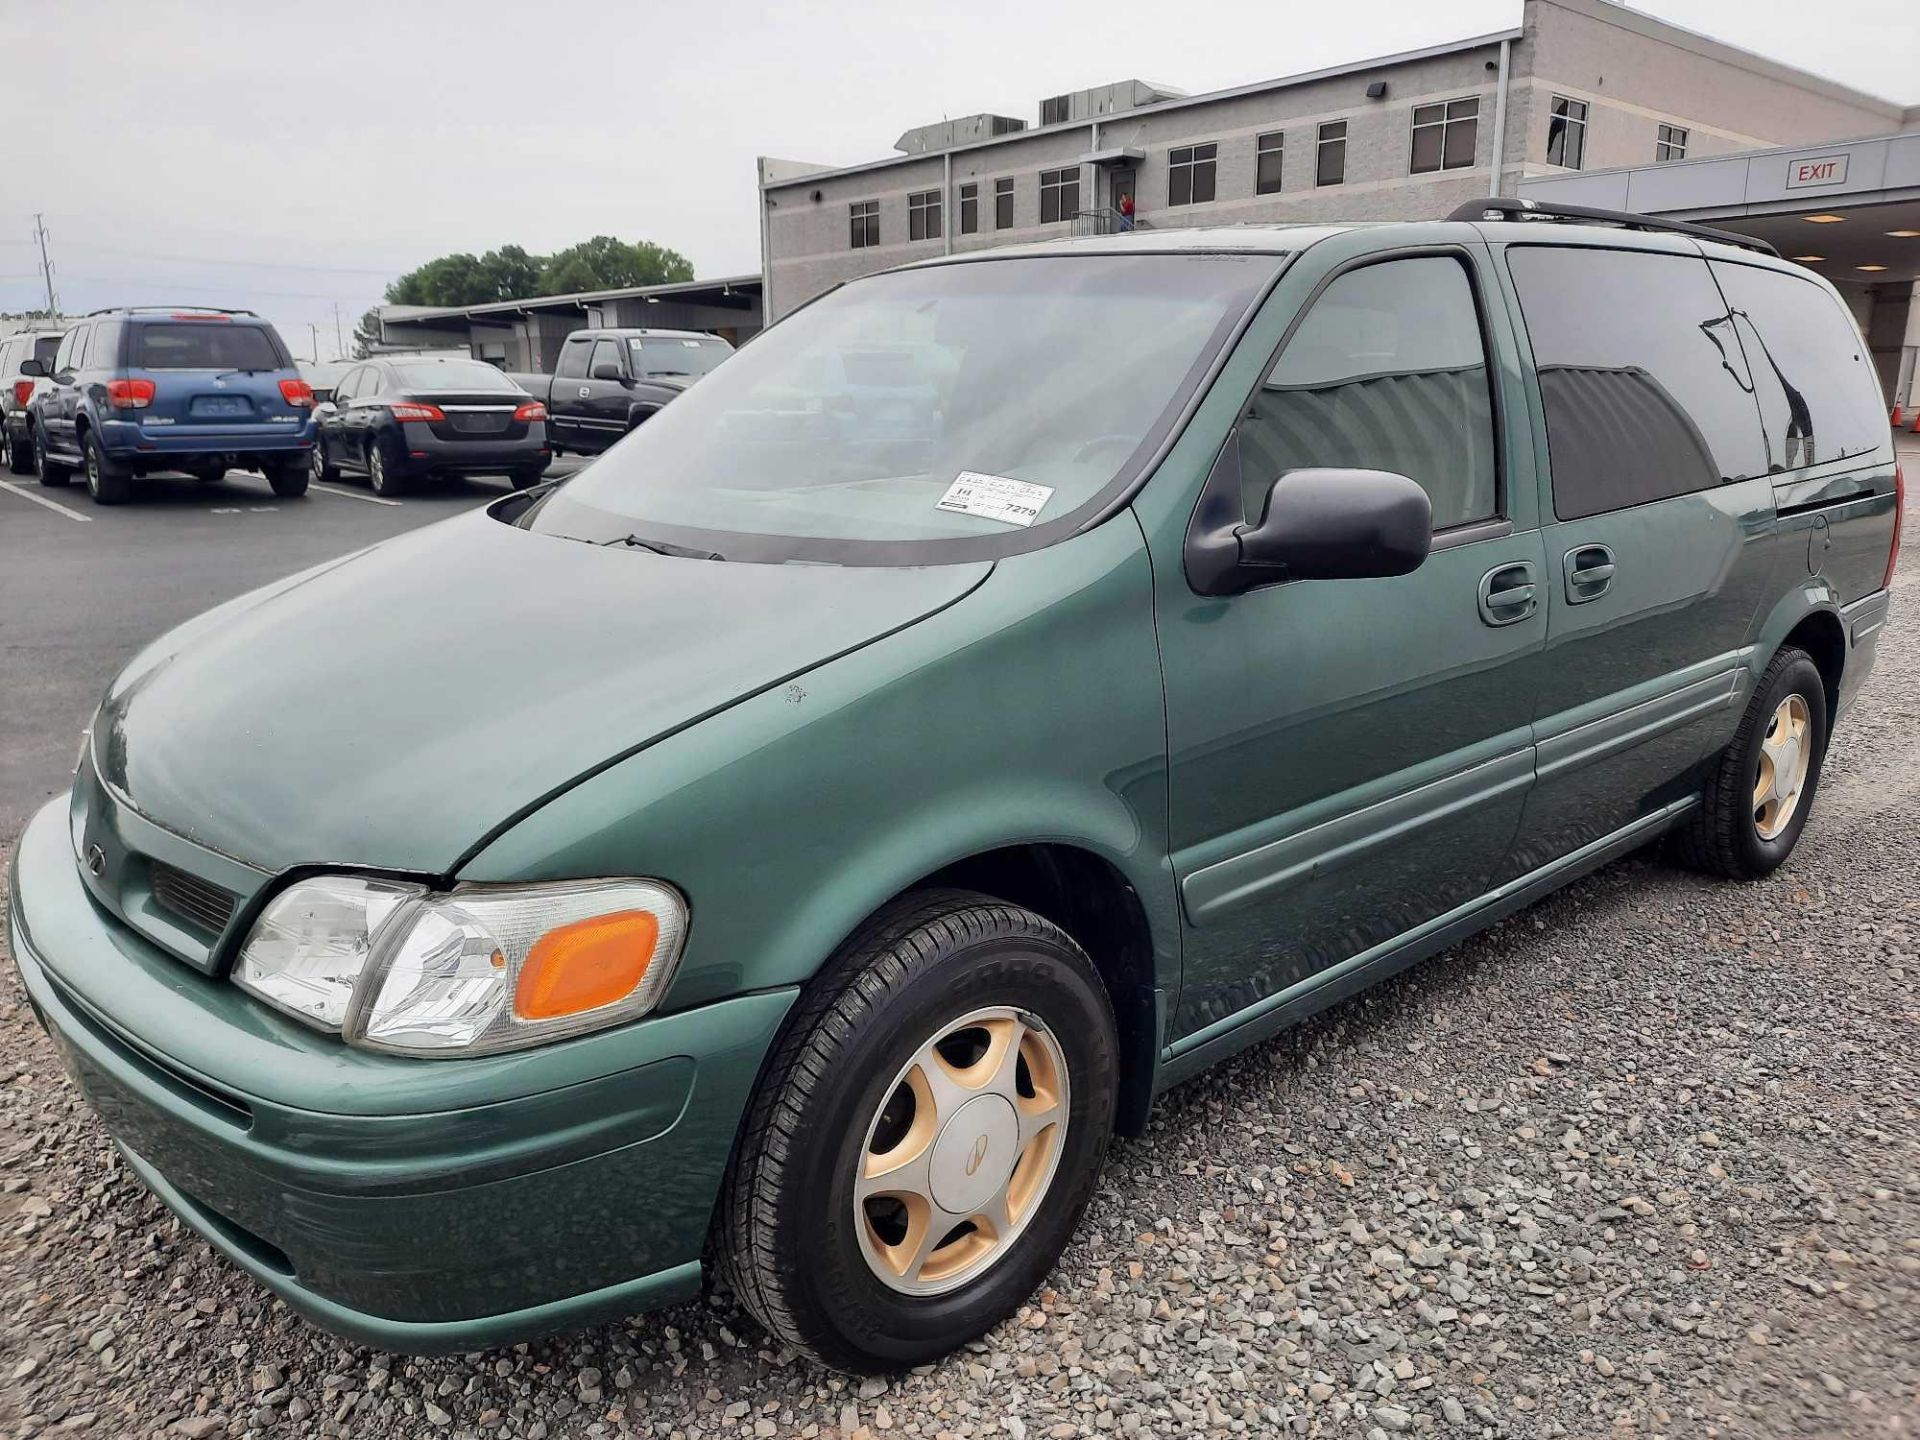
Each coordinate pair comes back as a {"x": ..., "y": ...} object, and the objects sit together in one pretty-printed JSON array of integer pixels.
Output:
[
  {"x": 1337, "y": 525},
  {"x": 31, "y": 366},
  {"x": 325, "y": 408}
]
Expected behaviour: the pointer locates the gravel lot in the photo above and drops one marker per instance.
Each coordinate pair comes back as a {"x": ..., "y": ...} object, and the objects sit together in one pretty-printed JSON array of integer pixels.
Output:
[{"x": 1642, "y": 1161}]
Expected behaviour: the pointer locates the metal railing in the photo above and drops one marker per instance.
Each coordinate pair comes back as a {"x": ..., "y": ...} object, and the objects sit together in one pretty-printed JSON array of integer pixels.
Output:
[{"x": 1105, "y": 221}]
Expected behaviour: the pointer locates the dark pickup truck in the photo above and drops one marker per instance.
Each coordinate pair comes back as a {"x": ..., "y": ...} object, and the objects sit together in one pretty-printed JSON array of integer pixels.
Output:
[{"x": 609, "y": 381}]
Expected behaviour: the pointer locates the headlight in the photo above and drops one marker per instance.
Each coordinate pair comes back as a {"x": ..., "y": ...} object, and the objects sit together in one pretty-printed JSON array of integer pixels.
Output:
[{"x": 473, "y": 971}]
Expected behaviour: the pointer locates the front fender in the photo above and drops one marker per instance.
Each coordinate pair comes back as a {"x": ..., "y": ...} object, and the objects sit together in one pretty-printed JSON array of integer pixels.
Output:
[{"x": 1030, "y": 711}]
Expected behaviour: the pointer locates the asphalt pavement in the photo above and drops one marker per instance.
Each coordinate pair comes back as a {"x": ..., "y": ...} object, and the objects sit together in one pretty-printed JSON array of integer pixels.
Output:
[{"x": 83, "y": 587}]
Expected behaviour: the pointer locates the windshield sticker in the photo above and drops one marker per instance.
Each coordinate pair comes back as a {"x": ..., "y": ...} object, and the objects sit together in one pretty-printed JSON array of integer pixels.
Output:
[{"x": 994, "y": 497}]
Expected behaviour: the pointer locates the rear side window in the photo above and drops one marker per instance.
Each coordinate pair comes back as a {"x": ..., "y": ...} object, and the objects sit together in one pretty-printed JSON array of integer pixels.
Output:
[
  {"x": 204, "y": 345},
  {"x": 1387, "y": 371},
  {"x": 573, "y": 360},
  {"x": 1643, "y": 382},
  {"x": 103, "y": 350},
  {"x": 1819, "y": 397}
]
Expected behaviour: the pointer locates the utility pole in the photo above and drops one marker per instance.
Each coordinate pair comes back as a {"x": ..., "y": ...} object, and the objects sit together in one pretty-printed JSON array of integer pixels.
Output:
[
  {"x": 314, "y": 330},
  {"x": 46, "y": 265},
  {"x": 339, "y": 344}
]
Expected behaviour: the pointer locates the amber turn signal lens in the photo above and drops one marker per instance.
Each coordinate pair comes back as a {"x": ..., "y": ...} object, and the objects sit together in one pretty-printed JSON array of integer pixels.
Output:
[{"x": 586, "y": 965}]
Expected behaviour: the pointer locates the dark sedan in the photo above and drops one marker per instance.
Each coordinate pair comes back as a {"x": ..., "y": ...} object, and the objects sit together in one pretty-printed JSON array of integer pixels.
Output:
[{"x": 400, "y": 420}]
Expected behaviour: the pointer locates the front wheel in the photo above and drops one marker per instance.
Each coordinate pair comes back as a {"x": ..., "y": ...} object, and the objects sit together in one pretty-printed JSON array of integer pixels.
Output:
[
  {"x": 319, "y": 467},
  {"x": 926, "y": 1136},
  {"x": 52, "y": 472},
  {"x": 1759, "y": 789}
]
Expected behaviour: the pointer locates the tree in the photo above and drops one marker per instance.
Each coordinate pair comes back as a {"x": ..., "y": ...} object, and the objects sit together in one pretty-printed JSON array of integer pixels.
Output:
[
  {"x": 608, "y": 263},
  {"x": 366, "y": 334}
]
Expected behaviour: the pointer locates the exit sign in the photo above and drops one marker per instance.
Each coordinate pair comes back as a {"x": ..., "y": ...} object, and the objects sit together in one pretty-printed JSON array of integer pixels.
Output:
[{"x": 1821, "y": 170}]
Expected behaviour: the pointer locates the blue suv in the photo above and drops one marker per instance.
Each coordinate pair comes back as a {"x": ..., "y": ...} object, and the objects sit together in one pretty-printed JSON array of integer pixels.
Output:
[{"x": 138, "y": 390}]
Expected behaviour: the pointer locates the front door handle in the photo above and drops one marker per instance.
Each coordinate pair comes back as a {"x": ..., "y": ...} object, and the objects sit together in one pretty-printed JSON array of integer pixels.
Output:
[
  {"x": 1508, "y": 593},
  {"x": 1589, "y": 573}
]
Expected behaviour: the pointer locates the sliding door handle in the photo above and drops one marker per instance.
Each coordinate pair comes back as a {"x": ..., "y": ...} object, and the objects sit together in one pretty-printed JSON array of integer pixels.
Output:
[{"x": 1589, "y": 573}]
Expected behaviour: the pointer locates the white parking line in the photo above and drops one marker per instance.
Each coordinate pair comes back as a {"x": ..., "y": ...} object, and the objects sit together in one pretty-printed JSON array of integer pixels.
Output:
[
  {"x": 346, "y": 494},
  {"x": 26, "y": 494}
]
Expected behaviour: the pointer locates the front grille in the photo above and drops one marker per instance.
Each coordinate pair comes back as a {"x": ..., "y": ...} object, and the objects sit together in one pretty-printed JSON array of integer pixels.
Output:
[{"x": 191, "y": 898}]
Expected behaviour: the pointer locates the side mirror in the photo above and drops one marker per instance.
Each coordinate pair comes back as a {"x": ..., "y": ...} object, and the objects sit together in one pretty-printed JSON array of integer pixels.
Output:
[
  {"x": 604, "y": 371},
  {"x": 324, "y": 408},
  {"x": 1336, "y": 525},
  {"x": 32, "y": 366}
]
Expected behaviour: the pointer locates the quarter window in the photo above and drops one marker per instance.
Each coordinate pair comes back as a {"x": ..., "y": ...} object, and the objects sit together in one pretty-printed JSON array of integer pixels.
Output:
[
  {"x": 1444, "y": 134},
  {"x": 923, "y": 215},
  {"x": 1003, "y": 204},
  {"x": 1330, "y": 159},
  {"x": 1672, "y": 144},
  {"x": 865, "y": 215},
  {"x": 1567, "y": 132},
  {"x": 1266, "y": 165},
  {"x": 1819, "y": 397},
  {"x": 1059, "y": 195},
  {"x": 1387, "y": 371},
  {"x": 1190, "y": 174},
  {"x": 1641, "y": 375},
  {"x": 969, "y": 209}
]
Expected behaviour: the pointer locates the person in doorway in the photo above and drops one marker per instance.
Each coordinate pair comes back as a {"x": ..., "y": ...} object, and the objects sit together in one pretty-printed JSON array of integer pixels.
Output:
[{"x": 1126, "y": 212}]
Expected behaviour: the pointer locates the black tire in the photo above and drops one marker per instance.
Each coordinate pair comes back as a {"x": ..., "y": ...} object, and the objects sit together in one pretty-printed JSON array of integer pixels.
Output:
[
  {"x": 289, "y": 480},
  {"x": 527, "y": 478},
  {"x": 380, "y": 475},
  {"x": 107, "y": 483},
  {"x": 787, "y": 1238},
  {"x": 1723, "y": 837},
  {"x": 209, "y": 474},
  {"x": 19, "y": 455},
  {"x": 319, "y": 467},
  {"x": 52, "y": 473}
]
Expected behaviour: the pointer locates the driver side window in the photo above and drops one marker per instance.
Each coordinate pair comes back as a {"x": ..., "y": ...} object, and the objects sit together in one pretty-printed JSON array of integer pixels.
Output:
[
  {"x": 605, "y": 352},
  {"x": 1387, "y": 371}
]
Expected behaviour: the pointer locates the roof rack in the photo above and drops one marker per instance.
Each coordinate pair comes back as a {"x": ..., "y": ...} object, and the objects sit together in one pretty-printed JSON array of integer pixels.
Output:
[
  {"x": 1503, "y": 208},
  {"x": 169, "y": 310}
]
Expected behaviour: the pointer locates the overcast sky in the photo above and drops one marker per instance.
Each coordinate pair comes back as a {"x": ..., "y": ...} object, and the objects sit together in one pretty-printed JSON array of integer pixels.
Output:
[{"x": 293, "y": 158}]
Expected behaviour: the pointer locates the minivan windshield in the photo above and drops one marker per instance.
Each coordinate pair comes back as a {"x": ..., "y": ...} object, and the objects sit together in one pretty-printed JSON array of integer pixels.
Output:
[
  {"x": 941, "y": 413},
  {"x": 675, "y": 355}
]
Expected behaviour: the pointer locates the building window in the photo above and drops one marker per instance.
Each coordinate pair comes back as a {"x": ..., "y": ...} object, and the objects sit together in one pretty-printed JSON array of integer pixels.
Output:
[
  {"x": 1266, "y": 165},
  {"x": 866, "y": 223},
  {"x": 1672, "y": 144},
  {"x": 1059, "y": 195},
  {"x": 1003, "y": 204},
  {"x": 1053, "y": 110},
  {"x": 1190, "y": 172},
  {"x": 923, "y": 215},
  {"x": 1444, "y": 135},
  {"x": 1330, "y": 164},
  {"x": 969, "y": 209},
  {"x": 1567, "y": 132}
]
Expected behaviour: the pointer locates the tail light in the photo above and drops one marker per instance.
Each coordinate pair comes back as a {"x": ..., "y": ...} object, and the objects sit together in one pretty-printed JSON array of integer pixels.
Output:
[
  {"x": 415, "y": 410},
  {"x": 531, "y": 411},
  {"x": 130, "y": 394},
  {"x": 1899, "y": 514},
  {"x": 297, "y": 393},
  {"x": 22, "y": 391}
]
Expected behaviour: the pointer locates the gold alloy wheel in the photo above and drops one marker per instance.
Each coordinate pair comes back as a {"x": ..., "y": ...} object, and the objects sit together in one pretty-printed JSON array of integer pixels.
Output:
[
  {"x": 962, "y": 1151},
  {"x": 1785, "y": 756}
]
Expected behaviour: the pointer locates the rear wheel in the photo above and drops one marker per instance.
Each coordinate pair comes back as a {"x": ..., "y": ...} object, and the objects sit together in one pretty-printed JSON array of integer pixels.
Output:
[
  {"x": 209, "y": 474},
  {"x": 19, "y": 455},
  {"x": 52, "y": 472},
  {"x": 526, "y": 479},
  {"x": 107, "y": 483},
  {"x": 383, "y": 480},
  {"x": 1759, "y": 790},
  {"x": 927, "y": 1134},
  {"x": 288, "y": 479}
]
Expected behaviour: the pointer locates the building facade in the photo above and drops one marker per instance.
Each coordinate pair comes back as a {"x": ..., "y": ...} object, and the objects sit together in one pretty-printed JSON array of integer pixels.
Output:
[{"x": 1581, "y": 84}]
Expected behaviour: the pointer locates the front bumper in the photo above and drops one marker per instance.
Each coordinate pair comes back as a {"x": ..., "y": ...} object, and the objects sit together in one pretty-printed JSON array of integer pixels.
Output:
[{"x": 417, "y": 1205}]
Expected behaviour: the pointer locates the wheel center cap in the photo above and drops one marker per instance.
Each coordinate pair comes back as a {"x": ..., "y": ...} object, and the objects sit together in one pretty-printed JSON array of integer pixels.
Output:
[{"x": 974, "y": 1155}]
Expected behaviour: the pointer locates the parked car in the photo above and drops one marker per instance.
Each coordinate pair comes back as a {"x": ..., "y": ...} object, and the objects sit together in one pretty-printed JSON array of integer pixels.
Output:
[
  {"x": 609, "y": 382},
  {"x": 398, "y": 421},
  {"x": 17, "y": 390},
  {"x": 135, "y": 391},
  {"x": 824, "y": 833}
]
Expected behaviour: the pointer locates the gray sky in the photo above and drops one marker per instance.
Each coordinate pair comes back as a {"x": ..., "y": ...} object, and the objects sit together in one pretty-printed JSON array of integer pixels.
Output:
[{"x": 290, "y": 157}]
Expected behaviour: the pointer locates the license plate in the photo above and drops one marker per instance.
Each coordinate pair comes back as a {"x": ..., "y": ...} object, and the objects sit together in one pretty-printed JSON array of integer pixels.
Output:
[
  {"x": 480, "y": 423},
  {"x": 219, "y": 405}
]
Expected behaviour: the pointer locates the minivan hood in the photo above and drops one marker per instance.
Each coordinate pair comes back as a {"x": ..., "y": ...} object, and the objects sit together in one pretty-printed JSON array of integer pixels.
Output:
[{"x": 391, "y": 709}]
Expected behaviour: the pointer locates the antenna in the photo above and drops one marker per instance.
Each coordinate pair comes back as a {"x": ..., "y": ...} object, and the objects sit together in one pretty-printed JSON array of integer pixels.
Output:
[{"x": 46, "y": 265}]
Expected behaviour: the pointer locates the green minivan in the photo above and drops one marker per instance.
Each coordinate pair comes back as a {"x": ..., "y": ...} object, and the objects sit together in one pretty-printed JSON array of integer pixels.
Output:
[{"x": 1012, "y": 683}]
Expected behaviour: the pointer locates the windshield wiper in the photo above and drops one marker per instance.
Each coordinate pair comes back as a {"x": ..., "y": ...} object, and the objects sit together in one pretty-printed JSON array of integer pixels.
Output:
[{"x": 661, "y": 547}]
